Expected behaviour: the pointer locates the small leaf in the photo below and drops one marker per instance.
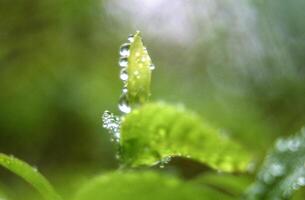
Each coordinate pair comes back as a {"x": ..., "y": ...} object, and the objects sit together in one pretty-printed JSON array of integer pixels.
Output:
[
  {"x": 156, "y": 132},
  {"x": 139, "y": 71},
  {"x": 29, "y": 174},
  {"x": 136, "y": 73},
  {"x": 283, "y": 171},
  {"x": 145, "y": 185}
]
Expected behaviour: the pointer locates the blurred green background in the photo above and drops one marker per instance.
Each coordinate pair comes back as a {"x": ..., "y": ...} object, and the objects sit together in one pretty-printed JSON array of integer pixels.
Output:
[{"x": 240, "y": 64}]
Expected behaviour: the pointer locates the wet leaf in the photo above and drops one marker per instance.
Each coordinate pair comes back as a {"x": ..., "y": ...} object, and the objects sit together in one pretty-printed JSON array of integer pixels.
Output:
[
  {"x": 136, "y": 67},
  {"x": 156, "y": 132},
  {"x": 283, "y": 171}
]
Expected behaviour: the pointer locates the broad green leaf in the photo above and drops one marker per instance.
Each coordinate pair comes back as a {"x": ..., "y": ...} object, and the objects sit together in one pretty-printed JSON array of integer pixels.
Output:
[
  {"x": 145, "y": 185},
  {"x": 156, "y": 132},
  {"x": 283, "y": 170},
  {"x": 29, "y": 174},
  {"x": 234, "y": 185}
]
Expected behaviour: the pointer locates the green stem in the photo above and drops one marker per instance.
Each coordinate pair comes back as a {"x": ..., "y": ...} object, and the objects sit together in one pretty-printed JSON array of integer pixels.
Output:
[{"x": 30, "y": 175}]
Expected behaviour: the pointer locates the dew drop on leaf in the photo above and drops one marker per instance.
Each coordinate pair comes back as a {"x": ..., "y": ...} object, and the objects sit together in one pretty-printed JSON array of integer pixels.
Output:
[
  {"x": 124, "y": 50},
  {"x": 125, "y": 90},
  {"x": 124, "y": 75},
  {"x": 293, "y": 145},
  {"x": 123, "y": 104},
  {"x": 301, "y": 181},
  {"x": 152, "y": 67},
  {"x": 130, "y": 38},
  {"x": 277, "y": 169},
  {"x": 123, "y": 62}
]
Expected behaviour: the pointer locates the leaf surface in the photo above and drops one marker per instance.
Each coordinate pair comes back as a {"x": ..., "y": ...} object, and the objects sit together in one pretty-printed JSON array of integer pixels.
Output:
[
  {"x": 156, "y": 132},
  {"x": 145, "y": 185}
]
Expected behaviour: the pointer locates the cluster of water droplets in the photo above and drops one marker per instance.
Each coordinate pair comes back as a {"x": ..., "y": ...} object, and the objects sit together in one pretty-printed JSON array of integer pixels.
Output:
[
  {"x": 112, "y": 123},
  {"x": 164, "y": 161},
  {"x": 273, "y": 171},
  {"x": 292, "y": 145}
]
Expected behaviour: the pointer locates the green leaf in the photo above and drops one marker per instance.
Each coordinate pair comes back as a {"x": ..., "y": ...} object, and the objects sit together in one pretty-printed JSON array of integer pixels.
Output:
[
  {"x": 157, "y": 131},
  {"x": 139, "y": 71},
  {"x": 29, "y": 174},
  {"x": 234, "y": 185},
  {"x": 283, "y": 170},
  {"x": 2, "y": 195},
  {"x": 145, "y": 185}
]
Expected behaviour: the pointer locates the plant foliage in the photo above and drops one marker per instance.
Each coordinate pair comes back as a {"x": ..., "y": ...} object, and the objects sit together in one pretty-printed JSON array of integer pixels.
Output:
[
  {"x": 156, "y": 132},
  {"x": 144, "y": 185},
  {"x": 283, "y": 171},
  {"x": 139, "y": 71},
  {"x": 29, "y": 174}
]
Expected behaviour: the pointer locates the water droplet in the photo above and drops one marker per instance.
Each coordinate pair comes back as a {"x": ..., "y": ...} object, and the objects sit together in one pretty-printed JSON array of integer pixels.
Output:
[
  {"x": 152, "y": 67},
  {"x": 112, "y": 124},
  {"x": 301, "y": 181},
  {"x": 35, "y": 169},
  {"x": 125, "y": 90},
  {"x": 123, "y": 104},
  {"x": 164, "y": 161},
  {"x": 124, "y": 50},
  {"x": 295, "y": 186},
  {"x": 123, "y": 62},
  {"x": 124, "y": 75},
  {"x": 277, "y": 169},
  {"x": 293, "y": 144},
  {"x": 130, "y": 38},
  {"x": 267, "y": 178},
  {"x": 281, "y": 145}
]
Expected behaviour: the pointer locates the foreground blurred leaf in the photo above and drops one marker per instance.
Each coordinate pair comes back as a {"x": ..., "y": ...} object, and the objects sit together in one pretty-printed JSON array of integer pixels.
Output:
[
  {"x": 29, "y": 174},
  {"x": 228, "y": 183},
  {"x": 2, "y": 195},
  {"x": 283, "y": 171},
  {"x": 144, "y": 185},
  {"x": 156, "y": 132}
]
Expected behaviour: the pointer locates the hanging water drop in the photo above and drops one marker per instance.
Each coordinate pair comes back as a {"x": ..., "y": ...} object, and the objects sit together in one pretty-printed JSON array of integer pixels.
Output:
[
  {"x": 152, "y": 67},
  {"x": 124, "y": 50},
  {"x": 123, "y": 62},
  {"x": 124, "y": 75},
  {"x": 125, "y": 90},
  {"x": 130, "y": 38},
  {"x": 123, "y": 104}
]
